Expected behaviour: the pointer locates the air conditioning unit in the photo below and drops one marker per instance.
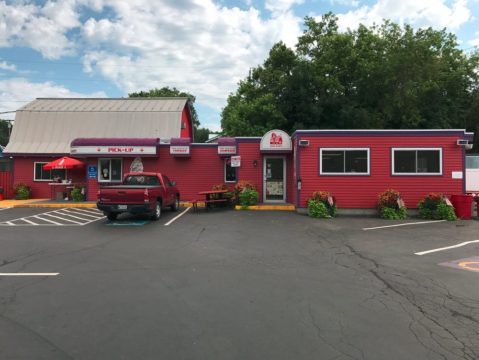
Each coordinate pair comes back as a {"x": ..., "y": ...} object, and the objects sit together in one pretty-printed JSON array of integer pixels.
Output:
[{"x": 303, "y": 142}]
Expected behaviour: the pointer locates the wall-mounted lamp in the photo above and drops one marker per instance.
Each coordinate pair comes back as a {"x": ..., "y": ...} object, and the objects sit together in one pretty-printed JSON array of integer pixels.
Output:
[{"x": 255, "y": 163}]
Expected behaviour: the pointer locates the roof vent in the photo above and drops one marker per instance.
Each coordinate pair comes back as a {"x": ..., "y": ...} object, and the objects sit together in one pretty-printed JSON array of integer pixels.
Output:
[{"x": 303, "y": 142}]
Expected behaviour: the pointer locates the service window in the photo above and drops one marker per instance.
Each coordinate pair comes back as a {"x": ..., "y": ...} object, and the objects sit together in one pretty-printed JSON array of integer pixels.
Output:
[
  {"x": 48, "y": 175},
  {"x": 110, "y": 169},
  {"x": 333, "y": 161},
  {"x": 230, "y": 172},
  {"x": 424, "y": 161}
]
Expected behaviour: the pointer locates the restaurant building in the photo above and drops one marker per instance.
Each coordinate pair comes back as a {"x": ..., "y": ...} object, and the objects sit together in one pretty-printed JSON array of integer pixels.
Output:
[{"x": 115, "y": 136}]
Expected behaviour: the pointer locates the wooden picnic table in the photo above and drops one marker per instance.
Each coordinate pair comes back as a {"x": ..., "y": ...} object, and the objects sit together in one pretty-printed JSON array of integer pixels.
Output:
[{"x": 210, "y": 200}]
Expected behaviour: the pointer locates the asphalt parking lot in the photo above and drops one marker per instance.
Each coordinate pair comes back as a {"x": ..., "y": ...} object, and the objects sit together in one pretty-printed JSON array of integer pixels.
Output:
[{"x": 237, "y": 285}]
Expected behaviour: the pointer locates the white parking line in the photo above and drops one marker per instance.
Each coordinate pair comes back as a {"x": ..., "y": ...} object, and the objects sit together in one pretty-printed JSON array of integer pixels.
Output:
[
  {"x": 72, "y": 216},
  {"x": 29, "y": 274},
  {"x": 47, "y": 220},
  {"x": 62, "y": 218},
  {"x": 177, "y": 216},
  {"x": 5, "y": 208},
  {"x": 447, "y": 247},
  {"x": 89, "y": 211},
  {"x": 30, "y": 222},
  {"x": 404, "y": 224}
]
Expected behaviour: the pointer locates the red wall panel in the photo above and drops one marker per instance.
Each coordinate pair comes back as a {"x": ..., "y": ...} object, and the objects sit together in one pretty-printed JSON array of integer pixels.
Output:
[
  {"x": 6, "y": 183},
  {"x": 352, "y": 191}
]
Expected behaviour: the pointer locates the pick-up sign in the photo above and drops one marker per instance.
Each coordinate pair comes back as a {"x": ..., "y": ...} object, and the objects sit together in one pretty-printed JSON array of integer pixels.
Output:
[{"x": 130, "y": 150}]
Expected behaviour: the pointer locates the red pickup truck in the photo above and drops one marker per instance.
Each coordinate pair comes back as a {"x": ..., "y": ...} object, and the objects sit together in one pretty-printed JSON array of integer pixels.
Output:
[{"x": 139, "y": 193}]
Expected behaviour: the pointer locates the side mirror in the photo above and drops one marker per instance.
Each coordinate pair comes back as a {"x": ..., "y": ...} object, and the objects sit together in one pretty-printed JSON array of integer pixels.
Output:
[{"x": 173, "y": 183}]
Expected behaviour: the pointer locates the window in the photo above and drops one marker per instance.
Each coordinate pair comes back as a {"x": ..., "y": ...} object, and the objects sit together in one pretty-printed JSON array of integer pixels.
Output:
[
  {"x": 47, "y": 175},
  {"x": 472, "y": 162},
  {"x": 110, "y": 169},
  {"x": 344, "y": 161},
  {"x": 142, "y": 180},
  {"x": 417, "y": 161},
  {"x": 230, "y": 172},
  {"x": 167, "y": 181}
]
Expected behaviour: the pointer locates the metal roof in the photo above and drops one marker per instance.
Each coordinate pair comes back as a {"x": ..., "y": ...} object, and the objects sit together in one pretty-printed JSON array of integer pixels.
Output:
[{"x": 48, "y": 126}]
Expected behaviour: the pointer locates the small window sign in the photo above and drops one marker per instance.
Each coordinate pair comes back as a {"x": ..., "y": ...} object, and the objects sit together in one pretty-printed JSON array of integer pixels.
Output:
[
  {"x": 457, "y": 174},
  {"x": 235, "y": 161}
]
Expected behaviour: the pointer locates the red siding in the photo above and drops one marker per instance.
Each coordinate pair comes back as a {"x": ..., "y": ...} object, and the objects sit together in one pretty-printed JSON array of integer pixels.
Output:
[
  {"x": 362, "y": 191},
  {"x": 24, "y": 173},
  {"x": 6, "y": 183},
  {"x": 186, "y": 124},
  {"x": 249, "y": 152}
]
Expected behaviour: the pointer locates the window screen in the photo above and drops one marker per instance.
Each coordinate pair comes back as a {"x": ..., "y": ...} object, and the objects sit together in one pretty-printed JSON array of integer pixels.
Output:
[
  {"x": 426, "y": 161},
  {"x": 343, "y": 161}
]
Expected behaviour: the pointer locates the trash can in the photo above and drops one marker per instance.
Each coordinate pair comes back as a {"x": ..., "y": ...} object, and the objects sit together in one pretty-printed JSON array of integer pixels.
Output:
[{"x": 462, "y": 206}]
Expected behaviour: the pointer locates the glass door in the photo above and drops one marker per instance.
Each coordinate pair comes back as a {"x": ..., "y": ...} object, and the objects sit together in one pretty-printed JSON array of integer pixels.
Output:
[{"x": 274, "y": 173}]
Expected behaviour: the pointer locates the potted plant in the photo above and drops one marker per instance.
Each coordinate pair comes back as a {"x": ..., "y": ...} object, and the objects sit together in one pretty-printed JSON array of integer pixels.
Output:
[
  {"x": 391, "y": 206},
  {"x": 322, "y": 205},
  {"x": 21, "y": 191},
  {"x": 437, "y": 207},
  {"x": 245, "y": 193},
  {"x": 77, "y": 194}
]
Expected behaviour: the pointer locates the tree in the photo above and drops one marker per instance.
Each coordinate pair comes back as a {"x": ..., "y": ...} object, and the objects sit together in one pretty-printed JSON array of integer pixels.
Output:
[
  {"x": 201, "y": 135},
  {"x": 172, "y": 92},
  {"x": 383, "y": 76},
  {"x": 4, "y": 132}
]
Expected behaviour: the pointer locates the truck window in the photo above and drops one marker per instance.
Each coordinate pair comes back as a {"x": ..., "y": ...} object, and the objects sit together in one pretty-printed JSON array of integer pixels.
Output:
[
  {"x": 141, "y": 180},
  {"x": 166, "y": 180}
]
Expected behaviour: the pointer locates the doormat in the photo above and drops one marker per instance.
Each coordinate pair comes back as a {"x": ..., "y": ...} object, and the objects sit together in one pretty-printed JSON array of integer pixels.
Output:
[
  {"x": 470, "y": 264},
  {"x": 127, "y": 223}
]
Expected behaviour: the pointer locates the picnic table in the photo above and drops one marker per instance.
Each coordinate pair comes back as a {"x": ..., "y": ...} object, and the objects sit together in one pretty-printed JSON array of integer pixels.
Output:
[{"x": 212, "y": 197}]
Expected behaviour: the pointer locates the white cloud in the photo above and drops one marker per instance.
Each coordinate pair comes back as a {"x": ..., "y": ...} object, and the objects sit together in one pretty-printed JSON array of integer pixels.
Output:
[
  {"x": 6, "y": 66},
  {"x": 434, "y": 13},
  {"x": 41, "y": 28},
  {"x": 213, "y": 127},
  {"x": 205, "y": 50},
  {"x": 280, "y": 6},
  {"x": 16, "y": 92}
]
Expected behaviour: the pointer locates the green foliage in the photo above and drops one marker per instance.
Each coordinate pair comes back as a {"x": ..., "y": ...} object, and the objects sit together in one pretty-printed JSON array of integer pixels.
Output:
[
  {"x": 171, "y": 92},
  {"x": 324, "y": 198},
  {"x": 21, "y": 191},
  {"x": 77, "y": 194},
  {"x": 201, "y": 135},
  {"x": 383, "y": 76},
  {"x": 392, "y": 213},
  {"x": 317, "y": 209},
  {"x": 4, "y": 132},
  {"x": 391, "y": 206},
  {"x": 248, "y": 197},
  {"x": 434, "y": 207}
]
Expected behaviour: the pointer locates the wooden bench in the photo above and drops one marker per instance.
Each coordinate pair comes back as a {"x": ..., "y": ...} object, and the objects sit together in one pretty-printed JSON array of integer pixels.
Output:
[{"x": 214, "y": 201}]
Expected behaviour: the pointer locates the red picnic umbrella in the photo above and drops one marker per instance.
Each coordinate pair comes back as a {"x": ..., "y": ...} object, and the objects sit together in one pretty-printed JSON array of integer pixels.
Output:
[{"x": 63, "y": 163}]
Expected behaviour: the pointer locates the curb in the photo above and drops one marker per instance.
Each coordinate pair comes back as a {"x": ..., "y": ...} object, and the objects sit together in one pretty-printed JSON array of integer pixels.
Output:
[{"x": 267, "y": 207}]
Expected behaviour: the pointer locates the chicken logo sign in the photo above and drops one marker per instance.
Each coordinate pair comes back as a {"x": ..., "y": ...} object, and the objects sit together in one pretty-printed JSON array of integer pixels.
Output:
[{"x": 276, "y": 141}]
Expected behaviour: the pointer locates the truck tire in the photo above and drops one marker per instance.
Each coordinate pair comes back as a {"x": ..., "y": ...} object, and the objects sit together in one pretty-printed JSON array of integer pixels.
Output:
[
  {"x": 111, "y": 216},
  {"x": 176, "y": 204},
  {"x": 157, "y": 212}
]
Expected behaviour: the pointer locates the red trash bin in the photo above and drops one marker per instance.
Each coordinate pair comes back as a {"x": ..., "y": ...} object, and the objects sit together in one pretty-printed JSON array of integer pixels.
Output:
[{"x": 462, "y": 206}]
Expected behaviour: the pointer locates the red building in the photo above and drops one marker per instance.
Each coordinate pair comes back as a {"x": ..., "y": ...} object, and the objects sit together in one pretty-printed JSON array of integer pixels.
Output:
[{"x": 115, "y": 136}]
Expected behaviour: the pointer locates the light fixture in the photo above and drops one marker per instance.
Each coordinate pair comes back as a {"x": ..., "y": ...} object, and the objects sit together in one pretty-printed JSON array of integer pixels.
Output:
[{"x": 255, "y": 163}]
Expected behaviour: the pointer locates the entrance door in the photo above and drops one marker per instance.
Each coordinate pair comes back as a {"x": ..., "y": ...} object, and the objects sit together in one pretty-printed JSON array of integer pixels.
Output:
[{"x": 274, "y": 185}]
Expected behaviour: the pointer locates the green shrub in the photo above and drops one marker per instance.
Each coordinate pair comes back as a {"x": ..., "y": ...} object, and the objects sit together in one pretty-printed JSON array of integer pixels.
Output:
[
  {"x": 22, "y": 191},
  {"x": 317, "y": 209},
  {"x": 77, "y": 194},
  {"x": 391, "y": 206},
  {"x": 248, "y": 197},
  {"x": 435, "y": 207}
]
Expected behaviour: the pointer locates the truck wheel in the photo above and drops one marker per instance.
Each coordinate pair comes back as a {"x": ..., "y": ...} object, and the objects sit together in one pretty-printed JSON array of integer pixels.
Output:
[
  {"x": 111, "y": 216},
  {"x": 176, "y": 204},
  {"x": 157, "y": 214}
]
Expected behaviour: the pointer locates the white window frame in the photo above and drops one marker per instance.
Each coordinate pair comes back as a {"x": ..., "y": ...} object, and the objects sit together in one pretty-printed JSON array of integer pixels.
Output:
[
  {"x": 44, "y": 180},
  {"x": 100, "y": 180},
  {"x": 394, "y": 149},
  {"x": 224, "y": 173},
  {"x": 368, "y": 150}
]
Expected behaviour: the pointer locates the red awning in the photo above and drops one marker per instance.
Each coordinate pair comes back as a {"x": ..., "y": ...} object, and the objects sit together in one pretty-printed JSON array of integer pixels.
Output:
[{"x": 63, "y": 163}]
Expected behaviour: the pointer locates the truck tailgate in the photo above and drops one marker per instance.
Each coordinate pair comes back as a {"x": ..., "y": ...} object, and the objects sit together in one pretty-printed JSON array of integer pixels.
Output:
[{"x": 124, "y": 194}]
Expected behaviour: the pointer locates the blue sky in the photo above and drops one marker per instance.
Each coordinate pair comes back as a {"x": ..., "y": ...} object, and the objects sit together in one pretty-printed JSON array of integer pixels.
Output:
[{"x": 108, "y": 48}]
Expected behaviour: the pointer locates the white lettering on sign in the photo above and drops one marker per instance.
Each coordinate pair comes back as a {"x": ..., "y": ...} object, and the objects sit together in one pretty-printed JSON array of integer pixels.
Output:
[
  {"x": 100, "y": 150},
  {"x": 276, "y": 140},
  {"x": 226, "y": 150},
  {"x": 179, "y": 150}
]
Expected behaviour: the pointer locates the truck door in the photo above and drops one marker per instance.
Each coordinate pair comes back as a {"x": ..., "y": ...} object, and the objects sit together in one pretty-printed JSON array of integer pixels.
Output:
[{"x": 170, "y": 195}]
